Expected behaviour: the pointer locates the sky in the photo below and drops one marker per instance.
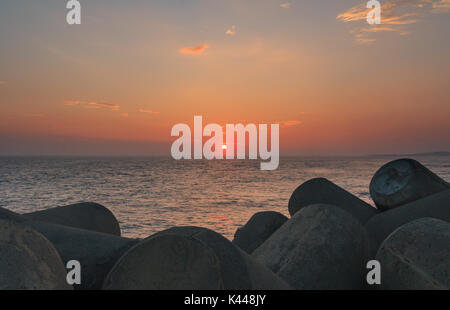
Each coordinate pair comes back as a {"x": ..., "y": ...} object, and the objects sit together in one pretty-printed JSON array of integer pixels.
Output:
[{"x": 117, "y": 83}]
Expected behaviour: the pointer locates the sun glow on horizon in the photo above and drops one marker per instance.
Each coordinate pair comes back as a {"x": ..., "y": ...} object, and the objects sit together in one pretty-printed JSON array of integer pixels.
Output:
[{"x": 110, "y": 89}]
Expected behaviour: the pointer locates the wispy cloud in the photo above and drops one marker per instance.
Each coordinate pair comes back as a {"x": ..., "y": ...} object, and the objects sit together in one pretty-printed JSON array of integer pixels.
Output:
[
  {"x": 286, "y": 5},
  {"x": 291, "y": 123},
  {"x": 396, "y": 15},
  {"x": 148, "y": 111},
  {"x": 104, "y": 105},
  {"x": 441, "y": 6},
  {"x": 363, "y": 39},
  {"x": 72, "y": 102},
  {"x": 2, "y": 82},
  {"x": 91, "y": 104},
  {"x": 124, "y": 114},
  {"x": 231, "y": 31},
  {"x": 196, "y": 50}
]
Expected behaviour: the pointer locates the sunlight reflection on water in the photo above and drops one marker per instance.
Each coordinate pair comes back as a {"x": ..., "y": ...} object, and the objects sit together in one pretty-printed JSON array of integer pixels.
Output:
[{"x": 151, "y": 194}]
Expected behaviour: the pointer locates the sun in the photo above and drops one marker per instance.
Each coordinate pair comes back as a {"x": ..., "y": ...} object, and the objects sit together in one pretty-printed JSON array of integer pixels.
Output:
[{"x": 224, "y": 146}]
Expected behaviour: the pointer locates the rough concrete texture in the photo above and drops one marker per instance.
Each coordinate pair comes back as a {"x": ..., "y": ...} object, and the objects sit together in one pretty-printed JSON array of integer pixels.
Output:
[
  {"x": 6, "y": 214},
  {"x": 402, "y": 181},
  {"x": 416, "y": 256},
  {"x": 167, "y": 262},
  {"x": 87, "y": 215},
  {"x": 320, "y": 247},
  {"x": 28, "y": 260},
  {"x": 381, "y": 225},
  {"x": 260, "y": 226},
  {"x": 96, "y": 252},
  {"x": 323, "y": 191},
  {"x": 196, "y": 258}
]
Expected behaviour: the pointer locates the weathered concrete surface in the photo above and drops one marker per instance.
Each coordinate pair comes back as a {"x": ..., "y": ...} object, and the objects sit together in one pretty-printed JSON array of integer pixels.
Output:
[
  {"x": 28, "y": 260},
  {"x": 322, "y": 191},
  {"x": 416, "y": 256},
  {"x": 6, "y": 214},
  {"x": 260, "y": 226},
  {"x": 381, "y": 225},
  {"x": 262, "y": 278},
  {"x": 402, "y": 181},
  {"x": 96, "y": 252},
  {"x": 167, "y": 262},
  {"x": 320, "y": 247},
  {"x": 86, "y": 215},
  {"x": 197, "y": 258}
]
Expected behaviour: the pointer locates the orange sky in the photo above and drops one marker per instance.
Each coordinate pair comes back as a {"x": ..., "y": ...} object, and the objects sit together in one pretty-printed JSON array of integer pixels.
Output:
[{"x": 117, "y": 83}]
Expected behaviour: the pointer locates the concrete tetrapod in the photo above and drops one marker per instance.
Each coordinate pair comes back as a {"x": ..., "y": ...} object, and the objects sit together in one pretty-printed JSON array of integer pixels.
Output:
[
  {"x": 189, "y": 258},
  {"x": 86, "y": 215},
  {"x": 402, "y": 181},
  {"x": 96, "y": 252},
  {"x": 320, "y": 247},
  {"x": 323, "y": 191},
  {"x": 28, "y": 260},
  {"x": 381, "y": 225},
  {"x": 416, "y": 256},
  {"x": 258, "y": 228}
]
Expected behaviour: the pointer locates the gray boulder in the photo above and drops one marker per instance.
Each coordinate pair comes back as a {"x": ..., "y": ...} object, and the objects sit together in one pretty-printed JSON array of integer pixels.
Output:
[
  {"x": 322, "y": 191},
  {"x": 402, "y": 181},
  {"x": 381, "y": 225},
  {"x": 416, "y": 256},
  {"x": 167, "y": 262},
  {"x": 28, "y": 260},
  {"x": 86, "y": 215},
  {"x": 260, "y": 226},
  {"x": 96, "y": 252},
  {"x": 320, "y": 247},
  {"x": 189, "y": 258}
]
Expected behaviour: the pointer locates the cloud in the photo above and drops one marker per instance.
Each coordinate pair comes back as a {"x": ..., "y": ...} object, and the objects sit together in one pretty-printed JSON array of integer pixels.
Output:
[
  {"x": 148, "y": 111},
  {"x": 71, "y": 102},
  {"x": 291, "y": 123},
  {"x": 283, "y": 124},
  {"x": 378, "y": 29},
  {"x": 104, "y": 105},
  {"x": 231, "y": 31},
  {"x": 197, "y": 50},
  {"x": 362, "y": 39},
  {"x": 91, "y": 104},
  {"x": 124, "y": 114},
  {"x": 396, "y": 15},
  {"x": 442, "y": 6},
  {"x": 2, "y": 82},
  {"x": 286, "y": 5}
]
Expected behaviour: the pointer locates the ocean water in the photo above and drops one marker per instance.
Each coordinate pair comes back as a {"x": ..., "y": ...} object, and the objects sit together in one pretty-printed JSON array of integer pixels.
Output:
[{"x": 151, "y": 194}]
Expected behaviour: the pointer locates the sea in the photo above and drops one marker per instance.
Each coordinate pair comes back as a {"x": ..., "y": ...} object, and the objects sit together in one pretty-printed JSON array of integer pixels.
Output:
[{"x": 150, "y": 194}]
